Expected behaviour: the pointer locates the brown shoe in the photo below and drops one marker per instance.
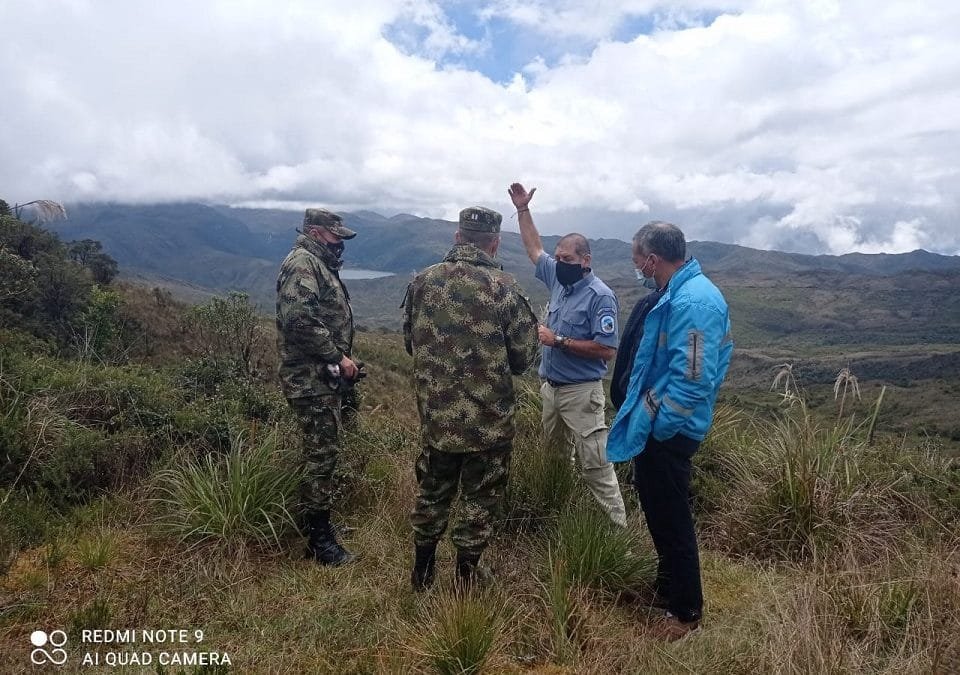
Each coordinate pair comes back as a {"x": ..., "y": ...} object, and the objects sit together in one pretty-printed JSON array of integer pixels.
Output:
[{"x": 670, "y": 629}]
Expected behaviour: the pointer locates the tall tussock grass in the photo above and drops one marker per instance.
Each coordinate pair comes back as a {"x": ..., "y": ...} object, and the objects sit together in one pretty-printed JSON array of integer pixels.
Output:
[
  {"x": 799, "y": 487},
  {"x": 565, "y": 604},
  {"x": 543, "y": 481},
  {"x": 231, "y": 501},
  {"x": 460, "y": 633},
  {"x": 593, "y": 553},
  {"x": 899, "y": 614}
]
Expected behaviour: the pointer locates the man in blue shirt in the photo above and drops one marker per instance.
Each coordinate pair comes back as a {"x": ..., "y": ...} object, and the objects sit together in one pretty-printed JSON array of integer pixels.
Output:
[{"x": 579, "y": 337}]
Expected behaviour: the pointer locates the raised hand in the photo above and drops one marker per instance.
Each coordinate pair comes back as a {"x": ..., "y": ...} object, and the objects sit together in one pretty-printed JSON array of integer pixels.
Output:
[{"x": 519, "y": 195}]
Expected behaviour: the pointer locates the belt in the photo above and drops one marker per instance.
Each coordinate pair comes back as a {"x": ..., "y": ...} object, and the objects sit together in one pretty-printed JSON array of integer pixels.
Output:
[{"x": 555, "y": 384}]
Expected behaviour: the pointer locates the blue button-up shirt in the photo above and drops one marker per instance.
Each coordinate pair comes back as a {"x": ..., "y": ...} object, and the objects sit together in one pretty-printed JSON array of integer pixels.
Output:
[{"x": 587, "y": 310}]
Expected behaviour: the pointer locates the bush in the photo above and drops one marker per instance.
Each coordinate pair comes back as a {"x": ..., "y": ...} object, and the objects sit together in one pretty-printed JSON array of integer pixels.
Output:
[
  {"x": 89, "y": 254},
  {"x": 234, "y": 501},
  {"x": 228, "y": 331},
  {"x": 71, "y": 430},
  {"x": 104, "y": 331},
  {"x": 24, "y": 522}
]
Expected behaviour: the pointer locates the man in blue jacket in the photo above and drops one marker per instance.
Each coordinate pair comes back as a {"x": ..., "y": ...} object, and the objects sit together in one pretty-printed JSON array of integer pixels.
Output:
[{"x": 677, "y": 371}]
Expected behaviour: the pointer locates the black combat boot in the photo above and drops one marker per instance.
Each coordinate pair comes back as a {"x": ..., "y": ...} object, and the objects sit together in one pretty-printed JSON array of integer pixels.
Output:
[
  {"x": 322, "y": 544},
  {"x": 425, "y": 560},
  {"x": 470, "y": 572}
]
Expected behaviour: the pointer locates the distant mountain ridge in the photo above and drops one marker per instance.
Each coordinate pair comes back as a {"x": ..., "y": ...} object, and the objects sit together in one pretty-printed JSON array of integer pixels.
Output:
[
  {"x": 894, "y": 320},
  {"x": 162, "y": 237},
  {"x": 776, "y": 297}
]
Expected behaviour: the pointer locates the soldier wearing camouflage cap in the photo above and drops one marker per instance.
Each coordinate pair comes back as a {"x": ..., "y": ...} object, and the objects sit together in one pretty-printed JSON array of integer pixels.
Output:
[
  {"x": 469, "y": 330},
  {"x": 315, "y": 342}
]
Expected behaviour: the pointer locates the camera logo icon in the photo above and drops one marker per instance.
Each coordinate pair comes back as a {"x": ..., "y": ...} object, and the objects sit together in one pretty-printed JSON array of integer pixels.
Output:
[{"x": 55, "y": 639}]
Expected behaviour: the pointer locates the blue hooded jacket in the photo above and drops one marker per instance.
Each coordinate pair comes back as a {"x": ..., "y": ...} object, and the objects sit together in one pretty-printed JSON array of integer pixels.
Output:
[{"x": 679, "y": 367}]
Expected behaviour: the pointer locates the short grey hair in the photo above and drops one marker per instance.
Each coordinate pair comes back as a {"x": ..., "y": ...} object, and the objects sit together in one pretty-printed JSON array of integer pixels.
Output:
[
  {"x": 663, "y": 239},
  {"x": 580, "y": 244}
]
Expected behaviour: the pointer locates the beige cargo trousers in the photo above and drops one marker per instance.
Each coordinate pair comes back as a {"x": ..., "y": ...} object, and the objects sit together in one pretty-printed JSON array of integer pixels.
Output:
[{"x": 573, "y": 419}]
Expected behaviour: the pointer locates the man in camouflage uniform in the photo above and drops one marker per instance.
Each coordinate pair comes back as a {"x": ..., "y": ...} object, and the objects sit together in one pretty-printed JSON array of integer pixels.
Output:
[
  {"x": 469, "y": 330},
  {"x": 315, "y": 339}
]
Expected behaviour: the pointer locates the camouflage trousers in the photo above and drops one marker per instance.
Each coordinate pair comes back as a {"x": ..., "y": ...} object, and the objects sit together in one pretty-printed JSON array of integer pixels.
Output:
[
  {"x": 482, "y": 481},
  {"x": 319, "y": 418}
]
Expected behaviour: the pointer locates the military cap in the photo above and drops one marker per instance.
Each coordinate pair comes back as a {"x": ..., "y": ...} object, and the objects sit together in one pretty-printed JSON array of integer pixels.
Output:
[
  {"x": 479, "y": 219},
  {"x": 331, "y": 221}
]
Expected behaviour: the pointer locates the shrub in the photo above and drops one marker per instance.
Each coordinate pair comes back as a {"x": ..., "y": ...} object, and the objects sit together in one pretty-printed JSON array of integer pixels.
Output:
[
  {"x": 24, "y": 522},
  {"x": 104, "y": 331},
  {"x": 228, "y": 330},
  {"x": 243, "y": 498},
  {"x": 93, "y": 616},
  {"x": 71, "y": 430},
  {"x": 89, "y": 254},
  {"x": 17, "y": 276}
]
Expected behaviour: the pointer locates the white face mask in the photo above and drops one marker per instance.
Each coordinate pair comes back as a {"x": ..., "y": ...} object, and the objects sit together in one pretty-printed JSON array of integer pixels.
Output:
[{"x": 648, "y": 282}]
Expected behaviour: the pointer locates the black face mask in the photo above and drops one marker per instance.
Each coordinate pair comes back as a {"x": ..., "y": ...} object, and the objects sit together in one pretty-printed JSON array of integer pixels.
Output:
[
  {"x": 569, "y": 273},
  {"x": 336, "y": 249}
]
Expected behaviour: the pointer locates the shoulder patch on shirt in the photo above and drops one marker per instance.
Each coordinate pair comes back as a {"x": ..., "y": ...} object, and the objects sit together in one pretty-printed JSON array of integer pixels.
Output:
[{"x": 608, "y": 324}]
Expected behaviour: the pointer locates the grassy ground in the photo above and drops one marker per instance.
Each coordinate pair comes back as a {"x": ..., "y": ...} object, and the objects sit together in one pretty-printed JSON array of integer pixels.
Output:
[{"x": 821, "y": 553}]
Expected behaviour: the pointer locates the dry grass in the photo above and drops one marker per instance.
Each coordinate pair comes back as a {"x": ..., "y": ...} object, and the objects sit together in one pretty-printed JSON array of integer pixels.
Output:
[{"x": 833, "y": 563}]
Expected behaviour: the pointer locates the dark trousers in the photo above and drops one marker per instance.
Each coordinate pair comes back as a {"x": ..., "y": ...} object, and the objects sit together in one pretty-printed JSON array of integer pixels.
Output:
[{"x": 661, "y": 474}]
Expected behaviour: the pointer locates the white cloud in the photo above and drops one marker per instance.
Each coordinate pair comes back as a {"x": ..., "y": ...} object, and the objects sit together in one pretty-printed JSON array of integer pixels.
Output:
[
  {"x": 599, "y": 19},
  {"x": 832, "y": 124}
]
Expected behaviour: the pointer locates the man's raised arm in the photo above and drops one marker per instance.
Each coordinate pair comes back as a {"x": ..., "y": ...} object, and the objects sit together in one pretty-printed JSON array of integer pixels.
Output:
[{"x": 528, "y": 231}]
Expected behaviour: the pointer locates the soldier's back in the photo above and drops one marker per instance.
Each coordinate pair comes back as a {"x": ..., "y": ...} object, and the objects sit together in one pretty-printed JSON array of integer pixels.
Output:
[{"x": 461, "y": 367}]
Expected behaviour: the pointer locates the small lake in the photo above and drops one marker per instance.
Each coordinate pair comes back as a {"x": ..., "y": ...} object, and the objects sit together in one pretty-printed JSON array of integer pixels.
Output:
[{"x": 360, "y": 273}]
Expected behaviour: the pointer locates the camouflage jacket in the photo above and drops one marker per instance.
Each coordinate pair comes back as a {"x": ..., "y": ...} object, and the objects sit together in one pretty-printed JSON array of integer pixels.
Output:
[
  {"x": 314, "y": 318},
  {"x": 468, "y": 328}
]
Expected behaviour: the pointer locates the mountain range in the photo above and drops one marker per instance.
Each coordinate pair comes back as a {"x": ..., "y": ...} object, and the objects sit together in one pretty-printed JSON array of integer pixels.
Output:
[
  {"x": 892, "y": 319},
  {"x": 779, "y": 298}
]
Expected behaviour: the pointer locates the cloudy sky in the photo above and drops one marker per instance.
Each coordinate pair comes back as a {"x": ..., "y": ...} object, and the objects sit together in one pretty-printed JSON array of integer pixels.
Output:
[{"x": 821, "y": 126}]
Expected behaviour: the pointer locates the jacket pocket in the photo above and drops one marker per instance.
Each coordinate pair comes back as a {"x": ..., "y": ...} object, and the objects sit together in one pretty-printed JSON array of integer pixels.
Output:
[{"x": 651, "y": 404}]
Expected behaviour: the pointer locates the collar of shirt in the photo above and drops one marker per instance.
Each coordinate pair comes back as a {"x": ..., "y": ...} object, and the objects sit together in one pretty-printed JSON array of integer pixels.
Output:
[{"x": 471, "y": 254}]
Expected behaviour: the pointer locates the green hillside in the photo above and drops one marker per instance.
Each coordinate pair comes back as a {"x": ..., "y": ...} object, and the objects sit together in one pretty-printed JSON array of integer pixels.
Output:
[
  {"x": 892, "y": 319},
  {"x": 148, "y": 470}
]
